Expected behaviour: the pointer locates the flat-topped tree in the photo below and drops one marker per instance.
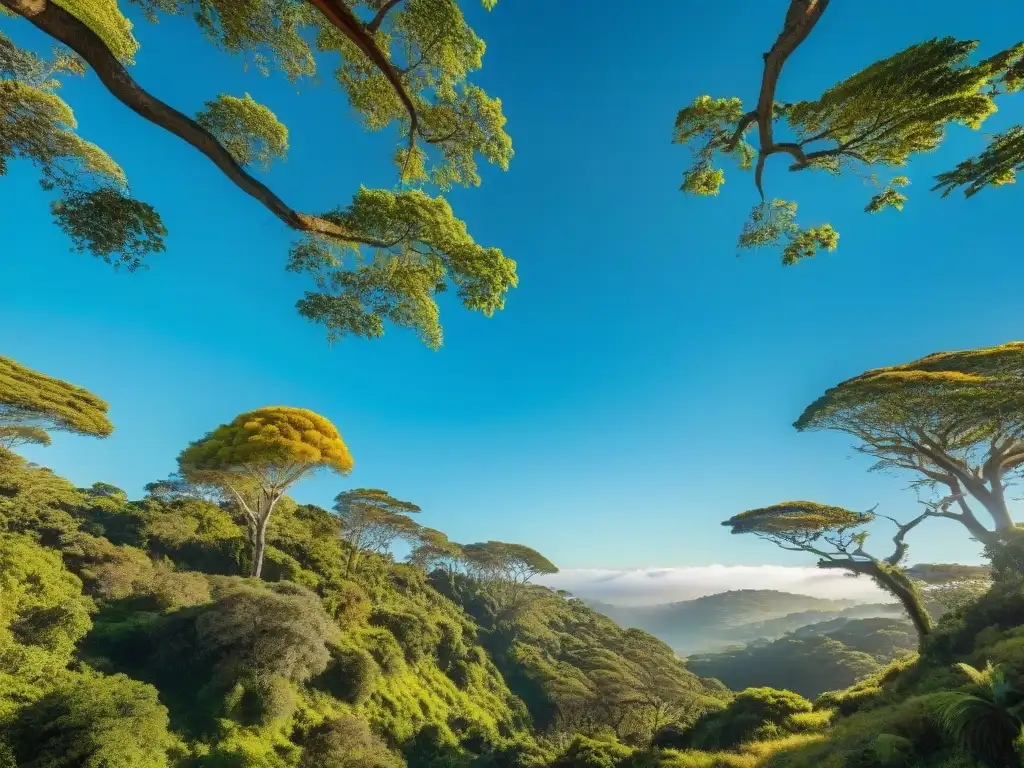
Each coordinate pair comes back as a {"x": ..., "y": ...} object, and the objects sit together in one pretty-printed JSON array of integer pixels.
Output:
[
  {"x": 954, "y": 419},
  {"x": 381, "y": 258},
  {"x": 499, "y": 561},
  {"x": 836, "y": 536},
  {"x": 33, "y": 404},
  {"x": 259, "y": 456},
  {"x": 372, "y": 520},
  {"x": 434, "y": 550},
  {"x": 872, "y": 122}
]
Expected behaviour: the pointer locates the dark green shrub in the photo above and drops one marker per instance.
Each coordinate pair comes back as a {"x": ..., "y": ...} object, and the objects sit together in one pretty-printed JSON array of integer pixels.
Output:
[
  {"x": 351, "y": 676},
  {"x": 591, "y": 753},
  {"x": 346, "y": 742},
  {"x": 92, "y": 720}
]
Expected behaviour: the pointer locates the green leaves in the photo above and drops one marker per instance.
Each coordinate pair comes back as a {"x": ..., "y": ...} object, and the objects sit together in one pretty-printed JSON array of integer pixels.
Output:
[
  {"x": 774, "y": 224},
  {"x": 94, "y": 208},
  {"x": 995, "y": 166},
  {"x": 880, "y": 116},
  {"x": 111, "y": 225},
  {"x": 709, "y": 126},
  {"x": 246, "y": 128},
  {"x": 32, "y": 399},
  {"x": 890, "y": 197},
  {"x": 422, "y": 248},
  {"x": 797, "y": 517}
]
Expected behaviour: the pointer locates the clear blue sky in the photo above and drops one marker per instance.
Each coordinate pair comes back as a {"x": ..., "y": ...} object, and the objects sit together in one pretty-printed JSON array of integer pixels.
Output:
[{"x": 640, "y": 385}]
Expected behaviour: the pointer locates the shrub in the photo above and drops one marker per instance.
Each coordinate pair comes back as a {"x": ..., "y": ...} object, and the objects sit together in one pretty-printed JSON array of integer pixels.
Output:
[
  {"x": 346, "y": 742},
  {"x": 259, "y": 628},
  {"x": 763, "y": 713},
  {"x": 92, "y": 720},
  {"x": 351, "y": 676},
  {"x": 592, "y": 753}
]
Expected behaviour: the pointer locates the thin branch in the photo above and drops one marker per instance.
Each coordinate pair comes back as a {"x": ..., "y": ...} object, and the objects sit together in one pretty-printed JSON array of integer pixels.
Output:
[
  {"x": 67, "y": 29},
  {"x": 342, "y": 17},
  {"x": 377, "y": 20}
]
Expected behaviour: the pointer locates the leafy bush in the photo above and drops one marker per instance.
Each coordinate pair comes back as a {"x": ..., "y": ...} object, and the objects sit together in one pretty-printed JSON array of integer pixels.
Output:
[
  {"x": 92, "y": 720},
  {"x": 351, "y": 676},
  {"x": 590, "y": 753},
  {"x": 273, "y": 629},
  {"x": 346, "y": 742},
  {"x": 756, "y": 713}
]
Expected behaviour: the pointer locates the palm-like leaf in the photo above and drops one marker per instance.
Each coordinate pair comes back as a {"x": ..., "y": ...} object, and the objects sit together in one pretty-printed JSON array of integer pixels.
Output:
[{"x": 980, "y": 727}]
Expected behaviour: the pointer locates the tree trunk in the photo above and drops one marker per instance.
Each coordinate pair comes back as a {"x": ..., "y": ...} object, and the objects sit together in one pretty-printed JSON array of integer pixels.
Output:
[
  {"x": 259, "y": 547},
  {"x": 893, "y": 581}
]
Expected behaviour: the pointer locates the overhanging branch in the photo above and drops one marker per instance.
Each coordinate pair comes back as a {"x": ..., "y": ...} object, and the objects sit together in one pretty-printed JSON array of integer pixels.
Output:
[{"x": 62, "y": 26}]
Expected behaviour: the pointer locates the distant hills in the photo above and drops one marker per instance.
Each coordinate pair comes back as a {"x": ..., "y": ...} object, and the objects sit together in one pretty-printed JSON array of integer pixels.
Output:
[
  {"x": 718, "y": 621},
  {"x": 820, "y": 657}
]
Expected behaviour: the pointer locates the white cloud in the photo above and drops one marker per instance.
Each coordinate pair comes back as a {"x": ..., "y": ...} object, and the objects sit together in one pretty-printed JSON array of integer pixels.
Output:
[{"x": 647, "y": 586}]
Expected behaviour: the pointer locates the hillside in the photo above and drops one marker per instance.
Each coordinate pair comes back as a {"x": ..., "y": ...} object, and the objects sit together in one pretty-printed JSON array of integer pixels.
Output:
[
  {"x": 128, "y": 623},
  {"x": 821, "y": 657},
  {"x": 716, "y": 621}
]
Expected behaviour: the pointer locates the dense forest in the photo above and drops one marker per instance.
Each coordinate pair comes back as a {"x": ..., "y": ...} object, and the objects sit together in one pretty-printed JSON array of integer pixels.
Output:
[
  {"x": 213, "y": 621},
  {"x": 216, "y": 622}
]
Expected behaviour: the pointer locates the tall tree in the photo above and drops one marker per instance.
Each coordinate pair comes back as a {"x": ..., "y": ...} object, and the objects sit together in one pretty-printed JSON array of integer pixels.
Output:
[
  {"x": 384, "y": 256},
  {"x": 836, "y": 536},
  {"x": 372, "y": 520},
  {"x": 32, "y": 404},
  {"x": 953, "y": 419},
  {"x": 498, "y": 561},
  {"x": 873, "y": 121},
  {"x": 434, "y": 550},
  {"x": 259, "y": 456}
]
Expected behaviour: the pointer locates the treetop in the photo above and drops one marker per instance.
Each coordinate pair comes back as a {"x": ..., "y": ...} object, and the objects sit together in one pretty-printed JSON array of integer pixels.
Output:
[
  {"x": 791, "y": 517},
  {"x": 271, "y": 435},
  {"x": 28, "y": 397},
  {"x": 963, "y": 394}
]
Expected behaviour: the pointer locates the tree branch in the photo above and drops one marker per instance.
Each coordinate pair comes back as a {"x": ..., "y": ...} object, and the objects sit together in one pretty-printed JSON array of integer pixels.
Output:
[
  {"x": 342, "y": 17},
  {"x": 377, "y": 20},
  {"x": 800, "y": 20},
  {"x": 67, "y": 29}
]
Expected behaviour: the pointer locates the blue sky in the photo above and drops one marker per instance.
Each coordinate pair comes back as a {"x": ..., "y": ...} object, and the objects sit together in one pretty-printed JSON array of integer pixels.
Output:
[{"x": 641, "y": 384}]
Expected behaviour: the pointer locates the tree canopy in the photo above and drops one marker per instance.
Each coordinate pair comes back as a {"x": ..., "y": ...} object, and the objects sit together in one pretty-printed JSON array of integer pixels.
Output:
[
  {"x": 259, "y": 456},
  {"x": 385, "y": 255},
  {"x": 872, "y": 122},
  {"x": 372, "y": 520},
  {"x": 954, "y": 419},
  {"x": 32, "y": 403},
  {"x": 514, "y": 563},
  {"x": 837, "y": 537}
]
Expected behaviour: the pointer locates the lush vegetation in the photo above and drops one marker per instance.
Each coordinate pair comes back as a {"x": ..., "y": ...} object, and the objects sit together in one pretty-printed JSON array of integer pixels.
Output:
[
  {"x": 821, "y": 657},
  {"x": 720, "y": 620},
  {"x": 869, "y": 125}
]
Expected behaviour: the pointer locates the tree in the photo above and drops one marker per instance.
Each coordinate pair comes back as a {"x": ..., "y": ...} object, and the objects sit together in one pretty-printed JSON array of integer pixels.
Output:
[
  {"x": 954, "y": 419},
  {"x": 346, "y": 742},
  {"x": 837, "y": 537},
  {"x": 32, "y": 404},
  {"x": 513, "y": 563},
  {"x": 92, "y": 720},
  {"x": 372, "y": 520},
  {"x": 434, "y": 550},
  {"x": 385, "y": 256},
  {"x": 259, "y": 456},
  {"x": 258, "y": 630},
  {"x": 874, "y": 120}
]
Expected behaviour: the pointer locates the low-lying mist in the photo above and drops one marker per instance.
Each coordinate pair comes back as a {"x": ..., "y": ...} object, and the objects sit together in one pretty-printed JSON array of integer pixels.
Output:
[{"x": 649, "y": 586}]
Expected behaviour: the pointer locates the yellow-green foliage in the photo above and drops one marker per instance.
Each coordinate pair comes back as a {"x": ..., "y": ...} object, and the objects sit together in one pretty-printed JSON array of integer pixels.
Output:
[
  {"x": 274, "y": 435},
  {"x": 30, "y": 396},
  {"x": 246, "y": 128}
]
